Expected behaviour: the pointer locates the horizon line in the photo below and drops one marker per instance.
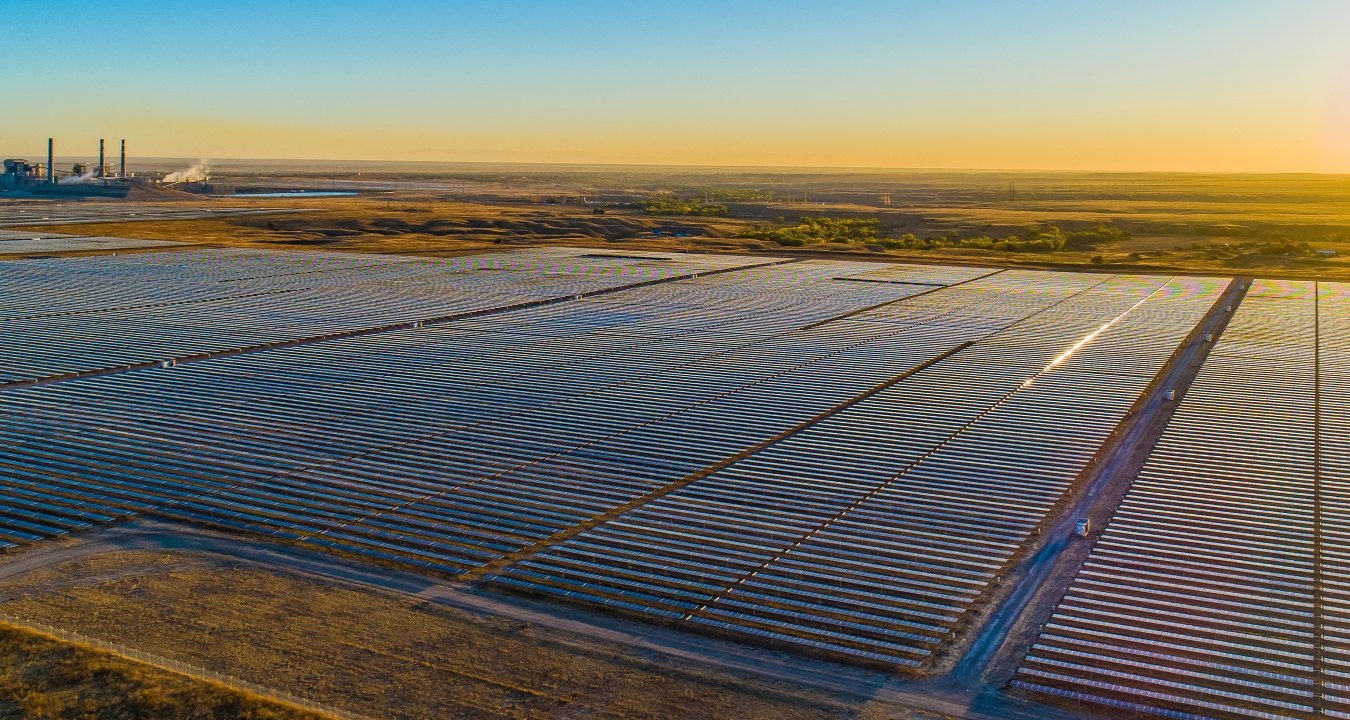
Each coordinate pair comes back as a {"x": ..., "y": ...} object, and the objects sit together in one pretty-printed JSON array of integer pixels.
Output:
[{"x": 705, "y": 166}]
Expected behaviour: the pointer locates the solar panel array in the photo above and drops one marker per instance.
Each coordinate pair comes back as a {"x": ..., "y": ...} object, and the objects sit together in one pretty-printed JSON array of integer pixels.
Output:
[
  {"x": 82, "y": 314},
  {"x": 1219, "y": 588},
  {"x": 918, "y": 274},
  {"x": 874, "y": 532},
  {"x": 430, "y": 446},
  {"x": 16, "y": 242},
  {"x": 1333, "y": 479},
  {"x": 46, "y": 212},
  {"x": 836, "y": 456}
]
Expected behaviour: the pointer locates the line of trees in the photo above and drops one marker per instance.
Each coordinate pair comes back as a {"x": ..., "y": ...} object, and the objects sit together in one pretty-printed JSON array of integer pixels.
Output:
[
  {"x": 670, "y": 205},
  {"x": 1290, "y": 248},
  {"x": 1047, "y": 239},
  {"x": 816, "y": 230}
]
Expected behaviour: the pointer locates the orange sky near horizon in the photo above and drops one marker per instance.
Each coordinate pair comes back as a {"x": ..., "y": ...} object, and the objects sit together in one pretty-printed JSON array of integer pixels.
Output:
[{"x": 1205, "y": 85}]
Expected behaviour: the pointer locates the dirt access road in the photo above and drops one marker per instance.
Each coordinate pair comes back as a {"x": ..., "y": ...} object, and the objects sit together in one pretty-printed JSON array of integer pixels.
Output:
[{"x": 1042, "y": 579}]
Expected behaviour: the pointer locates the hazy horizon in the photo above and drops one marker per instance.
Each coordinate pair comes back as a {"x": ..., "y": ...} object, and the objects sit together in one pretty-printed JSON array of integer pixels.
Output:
[
  {"x": 227, "y": 163},
  {"x": 1250, "y": 86}
]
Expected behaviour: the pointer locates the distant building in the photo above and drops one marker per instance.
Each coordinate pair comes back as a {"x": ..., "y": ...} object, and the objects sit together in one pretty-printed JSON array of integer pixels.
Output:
[{"x": 18, "y": 173}]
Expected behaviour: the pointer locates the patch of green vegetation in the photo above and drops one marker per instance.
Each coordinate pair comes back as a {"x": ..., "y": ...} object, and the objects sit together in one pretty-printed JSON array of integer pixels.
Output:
[
  {"x": 1217, "y": 252},
  {"x": 667, "y": 205},
  {"x": 1040, "y": 240},
  {"x": 736, "y": 195},
  {"x": 1285, "y": 247},
  {"x": 817, "y": 230}
]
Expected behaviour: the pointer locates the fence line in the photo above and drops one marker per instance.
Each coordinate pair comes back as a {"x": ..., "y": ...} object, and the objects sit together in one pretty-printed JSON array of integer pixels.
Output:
[{"x": 181, "y": 668}]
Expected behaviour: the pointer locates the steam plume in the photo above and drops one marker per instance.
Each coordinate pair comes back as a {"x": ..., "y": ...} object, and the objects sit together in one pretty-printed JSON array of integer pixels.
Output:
[
  {"x": 199, "y": 172},
  {"x": 76, "y": 179}
]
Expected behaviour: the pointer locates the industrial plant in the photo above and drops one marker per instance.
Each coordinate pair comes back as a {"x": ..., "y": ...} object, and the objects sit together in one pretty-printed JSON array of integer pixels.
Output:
[{"x": 81, "y": 179}]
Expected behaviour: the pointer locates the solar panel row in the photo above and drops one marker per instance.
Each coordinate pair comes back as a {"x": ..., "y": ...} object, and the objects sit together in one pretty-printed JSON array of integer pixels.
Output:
[
  {"x": 874, "y": 532},
  {"x": 359, "y": 442},
  {"x": 920, "y": 274},
  {"x": 1218, "y": 588},
  {"x": 1333, "y": 510},
  {"x": 13, "y": 242},
  {"x": 79, "y": 315},
  {"x": 15, "y": 214}
]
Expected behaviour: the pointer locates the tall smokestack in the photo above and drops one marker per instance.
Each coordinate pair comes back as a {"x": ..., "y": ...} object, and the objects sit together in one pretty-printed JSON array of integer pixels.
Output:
[
  {"x": 98, "y": 171},
  {"x": 51, "y": 163},
  {"x": 122, "y": 168}
]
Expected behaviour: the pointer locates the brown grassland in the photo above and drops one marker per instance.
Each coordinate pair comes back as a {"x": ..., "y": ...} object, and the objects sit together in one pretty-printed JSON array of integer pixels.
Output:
[
  {"x": 42, "y": 677},
  {"x": 385, "y": 655},
  {"x": 1192, "y": 224}
]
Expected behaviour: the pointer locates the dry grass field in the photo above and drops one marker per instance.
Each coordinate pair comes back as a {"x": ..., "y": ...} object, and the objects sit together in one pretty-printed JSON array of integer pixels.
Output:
[
  {"x": 42, "y": 677},
  {"x": 432, "y": 226},
  {"x": 384, "y": 655},
  {"x": 1224, "y": 224}
]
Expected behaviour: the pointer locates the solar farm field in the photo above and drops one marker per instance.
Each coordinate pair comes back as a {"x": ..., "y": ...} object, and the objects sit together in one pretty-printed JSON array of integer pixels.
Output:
[
  {"x": 1219, "y": 588},
  {"x": 460, "y": 441},
  {"x": 17, "y": 242},
  {"x": 19, "y": 214},
  {"x": 873, "y": 532},
  {"x": 836, "y": 457},
  {"x": 87, "y": 314}
]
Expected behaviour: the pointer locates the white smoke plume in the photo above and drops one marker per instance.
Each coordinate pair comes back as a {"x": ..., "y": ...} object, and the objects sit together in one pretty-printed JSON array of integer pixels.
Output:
[
  {"x": 199, "y": 172},
  {"x": 76, "y": 179}
]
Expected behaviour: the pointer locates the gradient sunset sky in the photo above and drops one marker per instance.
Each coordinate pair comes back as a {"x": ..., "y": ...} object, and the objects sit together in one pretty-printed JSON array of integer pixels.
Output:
[{"x": 1229, "y": 85}]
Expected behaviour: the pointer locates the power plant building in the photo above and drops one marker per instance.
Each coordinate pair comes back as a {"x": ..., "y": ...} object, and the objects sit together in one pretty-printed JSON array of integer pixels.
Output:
[{"x": 24, "y": 176}]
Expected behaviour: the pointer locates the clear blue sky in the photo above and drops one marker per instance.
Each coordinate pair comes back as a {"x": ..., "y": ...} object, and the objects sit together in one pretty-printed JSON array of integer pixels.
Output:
[{"x": 1089, "y": 84}]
